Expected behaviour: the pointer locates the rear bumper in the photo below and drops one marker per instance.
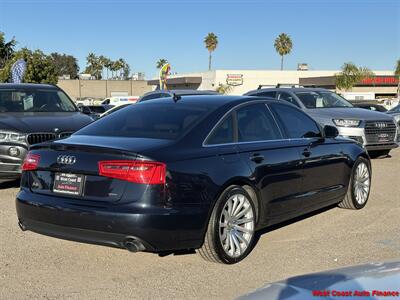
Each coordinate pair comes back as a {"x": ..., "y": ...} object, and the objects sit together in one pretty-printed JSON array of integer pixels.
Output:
[{"x": 157, "y": 228}]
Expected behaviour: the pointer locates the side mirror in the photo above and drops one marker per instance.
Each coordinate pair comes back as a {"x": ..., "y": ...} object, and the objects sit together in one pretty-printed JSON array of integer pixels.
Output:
[
  {"x": 85, "y": 110},
  {"x": 331, "y": 131}
]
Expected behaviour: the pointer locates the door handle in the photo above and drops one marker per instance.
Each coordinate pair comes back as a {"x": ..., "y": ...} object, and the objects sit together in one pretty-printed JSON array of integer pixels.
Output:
[
  {"x": 257, "y": 158},
  {"x": 306, "y": 152}
]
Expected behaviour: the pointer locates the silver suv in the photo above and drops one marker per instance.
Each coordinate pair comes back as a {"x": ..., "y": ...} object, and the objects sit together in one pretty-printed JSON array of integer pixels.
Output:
[{"x": 376, "y": 131}]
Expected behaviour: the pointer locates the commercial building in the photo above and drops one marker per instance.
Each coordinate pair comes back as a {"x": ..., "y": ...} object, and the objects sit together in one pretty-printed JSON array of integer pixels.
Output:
[{"x": 383, "y": 84}]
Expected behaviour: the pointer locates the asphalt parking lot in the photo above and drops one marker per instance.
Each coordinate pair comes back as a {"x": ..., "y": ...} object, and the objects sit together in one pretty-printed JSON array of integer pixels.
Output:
[{"x": 39, "y": 267}]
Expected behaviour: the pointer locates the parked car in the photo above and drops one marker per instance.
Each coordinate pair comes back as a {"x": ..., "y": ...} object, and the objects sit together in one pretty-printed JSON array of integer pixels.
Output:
[
  {"x": 203, "y": 172},
  {"x": 368, "y": 281},
  {"x": 369, "y": 106},
  {"x": 119, "y": 100},
  {"x": 169, "y": 93},
  {"x": 114, "y": 109},
  {"x": 31, "y": 114},
  {"x": 94, "y": 111},
  {"x": 376, "y": 131},
  {"x": 395, "y": 113}
]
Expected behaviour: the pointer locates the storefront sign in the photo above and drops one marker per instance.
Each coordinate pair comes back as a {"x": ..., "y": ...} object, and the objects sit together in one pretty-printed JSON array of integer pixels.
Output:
[
  {"x": 234, "y": 79},
  {"x": 380, "y": 80}
]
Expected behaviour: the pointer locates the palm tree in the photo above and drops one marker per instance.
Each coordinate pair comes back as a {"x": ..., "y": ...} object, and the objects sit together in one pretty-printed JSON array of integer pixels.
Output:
[
  {"x": 102, "y": 61},
  {"x": 6, "y": 49},
  {"x": 93, "y": 66},
  {"x": 283, "y": 45},
  {"x": 351, "y": 75},
  {"x": 161, "y": 62},
  {"x": 211, "y": 42},
  {"x": 397, "y": 73}
]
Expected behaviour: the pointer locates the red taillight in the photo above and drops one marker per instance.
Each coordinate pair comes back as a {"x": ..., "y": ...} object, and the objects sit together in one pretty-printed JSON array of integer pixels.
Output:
[
  {"x": 31, "y": 162},
  {"x": 148, "y": 172}
]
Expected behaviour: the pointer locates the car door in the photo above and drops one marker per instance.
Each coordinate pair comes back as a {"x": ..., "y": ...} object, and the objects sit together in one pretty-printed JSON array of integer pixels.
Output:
[
  {"x": 323, "y": 163},
  {"x": 274, "y": 164}
]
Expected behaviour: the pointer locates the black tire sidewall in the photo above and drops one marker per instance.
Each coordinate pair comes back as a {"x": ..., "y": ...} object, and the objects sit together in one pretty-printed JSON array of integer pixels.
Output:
[
  {"x": 353, "y": 174},
  {"x": 215, "y": 228}
]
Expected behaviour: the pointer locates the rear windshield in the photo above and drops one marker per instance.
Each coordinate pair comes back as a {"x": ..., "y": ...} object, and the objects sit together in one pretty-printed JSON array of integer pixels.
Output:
[
  {"x": 150, "y": 120},
  {"x": 22, "y": 100},
  {"x": 322, "y": 100}
]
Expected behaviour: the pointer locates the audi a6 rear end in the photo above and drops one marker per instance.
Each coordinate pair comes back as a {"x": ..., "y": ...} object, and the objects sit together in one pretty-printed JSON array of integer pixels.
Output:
[{"x": 200, "y": 172}]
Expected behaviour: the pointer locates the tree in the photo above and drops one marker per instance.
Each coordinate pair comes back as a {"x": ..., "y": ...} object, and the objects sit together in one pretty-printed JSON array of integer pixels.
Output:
[
  {"x": 161, "y": 62},
  {"x": 283, "y": 45},
  {"x": 224, "y": 89},
  {"x": 65, "y": 65},
  {"x": 6, "y": 49},
  {"x": 211, "y": 43},
  {"x": 93, "y": 65},
  {"x": 39, "y": 67},
  {"x": 351, "y": 75},
  {"x": 397, "y": 73}
]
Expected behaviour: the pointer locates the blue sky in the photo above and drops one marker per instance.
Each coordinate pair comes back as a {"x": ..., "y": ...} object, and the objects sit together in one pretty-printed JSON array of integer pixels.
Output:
[{"x": 325, "y": 33}]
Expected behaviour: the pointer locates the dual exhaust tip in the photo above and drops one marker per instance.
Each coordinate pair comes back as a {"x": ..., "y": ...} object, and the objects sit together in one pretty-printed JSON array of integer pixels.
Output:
[
  {"x": 134, "y": 245},
  {"x": 131, "y": 244}
]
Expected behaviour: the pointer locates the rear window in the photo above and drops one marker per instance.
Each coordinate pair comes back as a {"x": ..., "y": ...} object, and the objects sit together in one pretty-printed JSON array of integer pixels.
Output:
[{"x": 160, "y": 121}]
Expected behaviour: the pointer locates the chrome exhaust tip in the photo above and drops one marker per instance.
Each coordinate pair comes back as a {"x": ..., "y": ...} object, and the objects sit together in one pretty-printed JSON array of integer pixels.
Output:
[{"x": 133, "y": 245}]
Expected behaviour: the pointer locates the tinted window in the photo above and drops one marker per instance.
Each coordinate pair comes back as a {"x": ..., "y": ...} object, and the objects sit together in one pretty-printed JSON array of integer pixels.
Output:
[
  {"x": 265, "y": 94},
  {"x": 322, "y": 100},
  {"x": 155, "y": 96},
  {"x": 150, "y": 120},
  {"x": 287, "y": 97},
  {"x": 223, "y": 134},
  {"x": 296, "y": 123},
  {"x": 395, "y": 109},
  {"x": 15, "y": 100},
  {"x": 255, "y": 123}
]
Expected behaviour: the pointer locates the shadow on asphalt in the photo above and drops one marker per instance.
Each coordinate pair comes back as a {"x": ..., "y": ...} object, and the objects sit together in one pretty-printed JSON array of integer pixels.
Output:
[
  {"x": 10, "y": 184},
  {"x": 260, "y": 232}
]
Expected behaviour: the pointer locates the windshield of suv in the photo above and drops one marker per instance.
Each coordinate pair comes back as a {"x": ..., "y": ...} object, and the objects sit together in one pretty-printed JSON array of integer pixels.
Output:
[
  {"x": 45, "y": 100},
  {"x": 395, "y": 109},
  {"x": 322, "y": 100}
]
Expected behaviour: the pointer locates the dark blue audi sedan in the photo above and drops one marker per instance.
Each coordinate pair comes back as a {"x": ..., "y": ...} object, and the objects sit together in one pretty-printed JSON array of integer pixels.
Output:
[{"x": 195, "y": 172}]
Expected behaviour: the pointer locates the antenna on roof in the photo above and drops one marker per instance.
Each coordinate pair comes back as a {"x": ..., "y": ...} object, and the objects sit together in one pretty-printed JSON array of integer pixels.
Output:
[{"x": 175, "y": 97}]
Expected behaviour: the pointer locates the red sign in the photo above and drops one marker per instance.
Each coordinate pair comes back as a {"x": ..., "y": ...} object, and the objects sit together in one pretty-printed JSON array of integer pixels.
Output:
[{"x": 380, "y": 80}]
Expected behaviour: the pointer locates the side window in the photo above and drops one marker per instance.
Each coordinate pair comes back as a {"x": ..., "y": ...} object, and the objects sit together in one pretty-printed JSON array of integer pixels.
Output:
[
  {"x": 296, "y": 123},
  {"x": 271, "y": 94},
  {"x": 223, "y": 134},
  {"x": 287, "y": 97},
  {"x": 151, "y": 96},
  {"x": 255, "y": 123}
]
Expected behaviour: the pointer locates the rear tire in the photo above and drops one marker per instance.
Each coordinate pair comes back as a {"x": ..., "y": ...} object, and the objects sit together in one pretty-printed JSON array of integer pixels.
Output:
[
  {"x": 231, "y": 228},
  {"x": 359, "y": 185}
]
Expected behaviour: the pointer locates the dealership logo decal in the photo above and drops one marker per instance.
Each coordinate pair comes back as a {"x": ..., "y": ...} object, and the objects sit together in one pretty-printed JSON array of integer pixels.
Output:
[
  {"x": 234, "y": 79},
  {"x": 66, "y": 159}
]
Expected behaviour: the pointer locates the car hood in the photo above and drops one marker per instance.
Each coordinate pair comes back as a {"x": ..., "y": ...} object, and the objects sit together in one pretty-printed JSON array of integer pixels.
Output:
[
  {"x": 325, "y": 115},
  {"x": 28, "y": 122},
  {"x": 368, "y": 277}
]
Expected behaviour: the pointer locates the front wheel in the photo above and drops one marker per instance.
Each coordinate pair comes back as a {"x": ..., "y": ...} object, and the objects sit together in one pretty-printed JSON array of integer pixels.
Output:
[
  {"x": 230, "y": 232},
  {"x": 359, "y": 185}
]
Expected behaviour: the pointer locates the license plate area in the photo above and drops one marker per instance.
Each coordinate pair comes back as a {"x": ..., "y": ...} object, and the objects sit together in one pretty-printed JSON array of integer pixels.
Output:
[
  {"x": 383, "y": 137},
  {"x": 68, "y": 184}
]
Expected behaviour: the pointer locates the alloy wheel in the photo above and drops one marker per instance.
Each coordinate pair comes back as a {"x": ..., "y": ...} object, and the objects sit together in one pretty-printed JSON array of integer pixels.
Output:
[
  {"x": 362, "y": 183},
  {"x": 236, "y": 225}
]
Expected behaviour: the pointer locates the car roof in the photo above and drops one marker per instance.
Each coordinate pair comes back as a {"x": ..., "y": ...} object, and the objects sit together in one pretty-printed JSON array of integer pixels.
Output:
[
  {"x": 210, "y": 101},
  {"x": 288, "y": 89},
  {"x": 184, "y": 92},
  {"x": 27, "y": 86}
]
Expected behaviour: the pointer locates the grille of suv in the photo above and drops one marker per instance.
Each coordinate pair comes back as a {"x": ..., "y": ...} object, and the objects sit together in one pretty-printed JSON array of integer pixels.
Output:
[
  {"x": 377, "y": 132},
  {"x": 36, "y": 138}
]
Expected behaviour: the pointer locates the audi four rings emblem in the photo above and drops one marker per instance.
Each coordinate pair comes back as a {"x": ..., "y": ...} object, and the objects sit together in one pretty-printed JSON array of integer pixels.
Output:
[
  {"x": 66, "y": 159},
  {"x": 380, "y": 125}
]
